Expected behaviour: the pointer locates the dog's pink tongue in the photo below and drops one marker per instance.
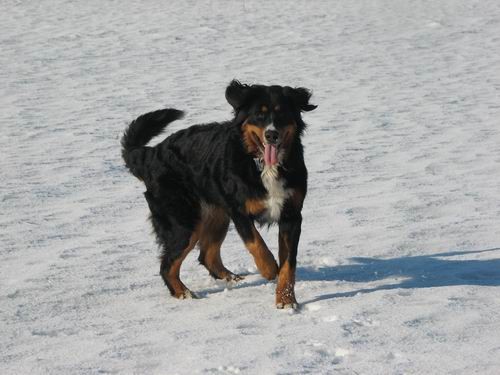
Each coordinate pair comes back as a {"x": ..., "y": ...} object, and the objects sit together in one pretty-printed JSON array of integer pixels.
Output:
[{"x": 270, "y": 155}]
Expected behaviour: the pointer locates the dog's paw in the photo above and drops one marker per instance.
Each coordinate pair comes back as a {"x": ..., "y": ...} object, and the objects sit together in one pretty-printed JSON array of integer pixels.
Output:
[
  {"x": 285, "y": 298},
  {"x": 233, "y": 278},
  {"x": 187, "y": 294},
  {"x": 293, "y": 306}
]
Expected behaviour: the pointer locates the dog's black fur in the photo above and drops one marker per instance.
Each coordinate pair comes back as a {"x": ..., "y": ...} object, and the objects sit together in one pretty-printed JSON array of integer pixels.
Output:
[{"x": 201, "y": 177}]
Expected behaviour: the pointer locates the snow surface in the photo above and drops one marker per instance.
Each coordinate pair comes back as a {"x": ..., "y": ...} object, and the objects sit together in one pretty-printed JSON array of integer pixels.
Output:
[{"x": 399, "y": 261}]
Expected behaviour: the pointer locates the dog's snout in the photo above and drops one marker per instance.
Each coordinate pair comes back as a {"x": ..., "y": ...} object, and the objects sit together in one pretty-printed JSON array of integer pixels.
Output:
[{"x": 271, "y": 136}]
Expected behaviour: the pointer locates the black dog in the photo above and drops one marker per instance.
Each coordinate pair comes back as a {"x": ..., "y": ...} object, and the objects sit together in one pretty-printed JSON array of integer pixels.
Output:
[{"x": 245, "y": 170}]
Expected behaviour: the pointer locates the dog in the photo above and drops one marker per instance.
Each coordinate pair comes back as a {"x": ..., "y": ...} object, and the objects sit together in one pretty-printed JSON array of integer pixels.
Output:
[{"x": 247, "y": 170}]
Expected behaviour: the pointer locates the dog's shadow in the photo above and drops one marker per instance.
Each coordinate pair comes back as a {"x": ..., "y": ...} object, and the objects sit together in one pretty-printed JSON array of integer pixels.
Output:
[
  {"x": 221, "y": 286},
  {"x": 425, "y": 271}
]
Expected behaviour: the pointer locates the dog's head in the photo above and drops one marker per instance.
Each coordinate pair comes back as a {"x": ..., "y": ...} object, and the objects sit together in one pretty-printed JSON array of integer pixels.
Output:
[{"x": 270, "y": 118}]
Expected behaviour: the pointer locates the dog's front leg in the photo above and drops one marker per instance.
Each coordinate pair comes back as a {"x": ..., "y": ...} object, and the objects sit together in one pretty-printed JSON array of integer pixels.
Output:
[
  {"x": 264, "y": 259},
  {"x": 289, "y": 234}
]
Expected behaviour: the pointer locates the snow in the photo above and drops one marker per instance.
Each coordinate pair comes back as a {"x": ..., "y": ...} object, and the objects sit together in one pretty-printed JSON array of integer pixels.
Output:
[{"x": 399, "y": 260}]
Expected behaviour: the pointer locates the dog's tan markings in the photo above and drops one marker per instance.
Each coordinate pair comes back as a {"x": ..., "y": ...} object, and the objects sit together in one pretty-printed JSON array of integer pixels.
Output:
[
  {"x": 255, "y": 206},
  {"x": 264, "y": 109},
  {"x": 285, "y": 294},
  {"x": 215, "y": 223},
  {"x": 172, "y": 278},
  {"x": 213, "y": 260},
  {"x": 287, "y": 138},
  {"x": 264, "y": 259},
  {"x": 289, "y": 134},
  {"x": 253, "y": 137}
]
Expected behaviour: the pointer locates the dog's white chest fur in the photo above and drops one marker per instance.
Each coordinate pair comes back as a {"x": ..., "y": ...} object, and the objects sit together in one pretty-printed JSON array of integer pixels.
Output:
[{"x": 276, "y": 192}]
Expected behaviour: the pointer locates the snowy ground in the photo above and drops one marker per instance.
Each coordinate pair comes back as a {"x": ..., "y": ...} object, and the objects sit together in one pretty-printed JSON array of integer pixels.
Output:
[{"x": 399, "y": 263}]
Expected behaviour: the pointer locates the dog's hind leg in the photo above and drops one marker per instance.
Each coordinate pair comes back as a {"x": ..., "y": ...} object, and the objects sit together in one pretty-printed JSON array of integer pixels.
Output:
[
  {"x": 213, "y": 230},
  {"x": 264, "y": 259},
  {"x": 177, "y": 235},
  {"x": 171, "y": 266}
]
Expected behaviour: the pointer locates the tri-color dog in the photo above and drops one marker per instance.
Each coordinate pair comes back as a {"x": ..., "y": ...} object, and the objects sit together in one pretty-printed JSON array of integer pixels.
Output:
[{"x": 249, "y": 169}]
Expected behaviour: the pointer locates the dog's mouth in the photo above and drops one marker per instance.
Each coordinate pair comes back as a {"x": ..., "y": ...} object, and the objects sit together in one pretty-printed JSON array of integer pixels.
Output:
[{"x": 268, "y": 152}]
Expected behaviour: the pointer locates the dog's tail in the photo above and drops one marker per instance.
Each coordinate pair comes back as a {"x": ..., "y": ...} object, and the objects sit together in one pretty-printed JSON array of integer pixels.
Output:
[{"x": 140, "y": 132}]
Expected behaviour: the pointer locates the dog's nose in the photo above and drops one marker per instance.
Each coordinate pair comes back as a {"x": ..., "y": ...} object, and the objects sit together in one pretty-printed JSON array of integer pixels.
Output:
[{"x": 271, "y": 136}]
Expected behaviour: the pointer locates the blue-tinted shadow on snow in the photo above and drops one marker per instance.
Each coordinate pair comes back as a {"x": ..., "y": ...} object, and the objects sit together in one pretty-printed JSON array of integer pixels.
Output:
[
  {"x": 423, "y": 271},
  {"x": 221, "y": 286}
]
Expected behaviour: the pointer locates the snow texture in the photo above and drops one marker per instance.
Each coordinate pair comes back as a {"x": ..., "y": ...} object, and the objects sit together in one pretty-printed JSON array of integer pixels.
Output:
[{"x": 399, "y": 260}]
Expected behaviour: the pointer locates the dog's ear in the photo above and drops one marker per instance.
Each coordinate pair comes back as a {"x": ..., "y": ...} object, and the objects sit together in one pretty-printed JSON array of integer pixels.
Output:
[
  {"x": 300, "y": 97},
  {"x": 236, "y": 94}
]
